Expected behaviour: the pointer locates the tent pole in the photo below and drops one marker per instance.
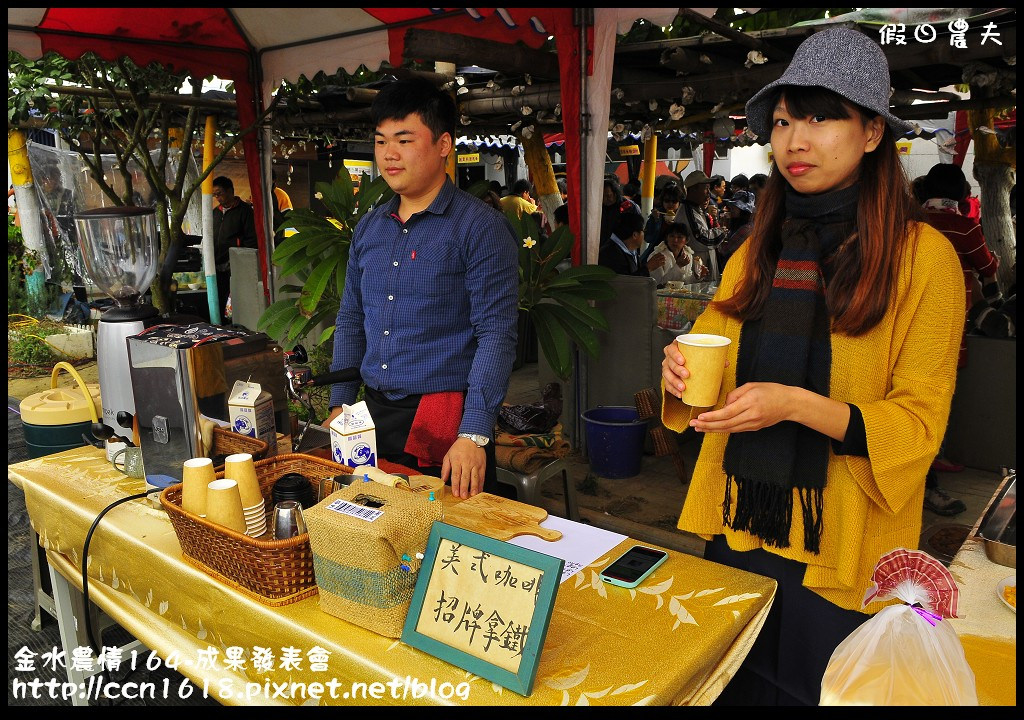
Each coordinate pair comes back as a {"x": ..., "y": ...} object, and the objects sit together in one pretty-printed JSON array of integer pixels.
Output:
[
  {"x": 29, "y": 213},
  {"x": 209, "y": 263},
  {"x": 270, "y": 203},
  {"x": 648, "y": 175},
  {"x": 585, "y": 18}
]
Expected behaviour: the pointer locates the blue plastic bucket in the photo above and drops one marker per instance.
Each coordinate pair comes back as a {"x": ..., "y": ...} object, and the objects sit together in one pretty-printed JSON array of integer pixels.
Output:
[{"x": 615, "y": 441}]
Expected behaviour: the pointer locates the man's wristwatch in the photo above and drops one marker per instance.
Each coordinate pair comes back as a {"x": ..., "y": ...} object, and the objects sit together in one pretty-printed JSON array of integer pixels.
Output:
[{"x": 478, "y": 440}]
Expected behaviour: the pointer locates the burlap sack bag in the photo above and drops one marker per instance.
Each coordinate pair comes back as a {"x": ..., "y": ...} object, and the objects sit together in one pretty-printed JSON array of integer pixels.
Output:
[{"x": 364, "y": 539}]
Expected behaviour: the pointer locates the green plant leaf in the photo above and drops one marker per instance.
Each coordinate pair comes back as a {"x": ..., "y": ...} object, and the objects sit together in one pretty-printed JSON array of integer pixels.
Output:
[
  {"x": 303, "y": 218},
  {"x": 283, "y": 320},
  {"x": 316, "y": 285},
  {"x": 479, "y": 188},
  {"x": 327, "y": 333},
  {"x": 297, "y": 265},
  {"x": 339, "y": 197},
  {"x": 555, "y": 250},
  {"x": 581, "y": 309},
  {"x": 273, "y": 311},
  {"x": 322, "y": 244},
  {"x": 328, "y": 311},
  {"x": 591, "y": 290},
  {"x": 372, "y": 193},
  {"x": 553, "y": 341},
  {"x": 289, "y": 247},
  {"x": 313, "y": 231},
  {"x": 299, "y": 328},
  {"x": 576, "y": 329},
  {"x": 584, "y": 273}
]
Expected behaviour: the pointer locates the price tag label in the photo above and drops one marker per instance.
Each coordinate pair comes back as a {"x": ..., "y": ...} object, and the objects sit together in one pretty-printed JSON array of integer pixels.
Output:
[{"x": 357, "y": 511}]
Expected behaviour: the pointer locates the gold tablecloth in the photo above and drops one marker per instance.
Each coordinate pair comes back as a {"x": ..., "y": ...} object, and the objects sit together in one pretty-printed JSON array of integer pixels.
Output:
[
  {"x": 987, "y": 628},
  {"x": 678, "y": 639}
]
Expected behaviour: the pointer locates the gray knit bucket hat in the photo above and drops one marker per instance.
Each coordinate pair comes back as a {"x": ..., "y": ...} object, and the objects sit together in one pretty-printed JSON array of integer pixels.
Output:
[{"x": 842, "y": 60}]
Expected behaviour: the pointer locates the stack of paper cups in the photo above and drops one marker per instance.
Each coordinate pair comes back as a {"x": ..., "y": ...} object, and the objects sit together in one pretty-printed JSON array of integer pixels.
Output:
[
  {"x": 224, "y": 506},
  {"x": 196, "y": 475},
  {"x": 242, "y": 470}
]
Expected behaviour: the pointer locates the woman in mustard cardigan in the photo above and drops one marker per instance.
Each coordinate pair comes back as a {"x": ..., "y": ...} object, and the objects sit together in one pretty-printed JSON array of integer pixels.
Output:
[{"x": 845, "y": 314}]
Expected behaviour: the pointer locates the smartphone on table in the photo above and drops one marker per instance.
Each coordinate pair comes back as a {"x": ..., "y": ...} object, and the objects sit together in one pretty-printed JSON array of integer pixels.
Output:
[{"x": 632, "y": 567}]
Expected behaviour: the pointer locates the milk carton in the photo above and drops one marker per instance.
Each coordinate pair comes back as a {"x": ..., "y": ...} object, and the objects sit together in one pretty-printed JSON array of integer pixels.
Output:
[
  {"x": 354, "y": 437},
  {"x": 251, "y": 412}
]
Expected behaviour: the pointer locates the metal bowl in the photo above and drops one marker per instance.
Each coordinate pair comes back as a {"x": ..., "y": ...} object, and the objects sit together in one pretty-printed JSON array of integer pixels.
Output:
[{"x": 998, "y": 527}]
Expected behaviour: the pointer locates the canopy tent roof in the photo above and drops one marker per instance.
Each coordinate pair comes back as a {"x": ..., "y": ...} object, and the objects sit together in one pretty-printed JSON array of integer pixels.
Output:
[
  {"x": 286, "y": 42},
  {"x": 258, "y": 48},
  {"x": 709, "y": 74}
]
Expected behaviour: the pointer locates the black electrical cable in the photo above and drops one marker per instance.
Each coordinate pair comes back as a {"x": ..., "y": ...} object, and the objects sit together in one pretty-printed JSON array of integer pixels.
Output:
[{"x": 96, "y": 646}]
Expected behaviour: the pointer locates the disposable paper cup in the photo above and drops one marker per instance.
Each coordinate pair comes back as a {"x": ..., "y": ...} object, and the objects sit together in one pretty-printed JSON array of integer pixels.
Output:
[
  {"x": 196, "y": 474},
  {"x": 705, "y": 359},
  {"x": 240, "y": 468},
  {"x": 223, "y": 505}
]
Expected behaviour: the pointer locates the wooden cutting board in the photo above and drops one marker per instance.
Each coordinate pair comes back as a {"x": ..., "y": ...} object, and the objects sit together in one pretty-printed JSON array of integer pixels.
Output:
[
  {"x": 497, "y": 517},
  {"x": 425, "y": 484}
]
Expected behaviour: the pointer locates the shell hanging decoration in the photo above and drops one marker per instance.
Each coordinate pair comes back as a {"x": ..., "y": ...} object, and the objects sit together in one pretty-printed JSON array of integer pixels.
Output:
[
  {"x": 755, "y": 57},
  {"x": 916, "y": 578}
]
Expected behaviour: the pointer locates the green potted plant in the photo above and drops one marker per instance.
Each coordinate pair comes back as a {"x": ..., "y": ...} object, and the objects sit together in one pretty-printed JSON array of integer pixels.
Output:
[
  {"x": 557, "y": 301},
  {"x": 317, "y": 255}
]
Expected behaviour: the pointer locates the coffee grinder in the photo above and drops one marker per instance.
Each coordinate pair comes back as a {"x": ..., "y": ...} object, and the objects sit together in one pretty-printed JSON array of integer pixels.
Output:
[{"x": 120, "y": 249}]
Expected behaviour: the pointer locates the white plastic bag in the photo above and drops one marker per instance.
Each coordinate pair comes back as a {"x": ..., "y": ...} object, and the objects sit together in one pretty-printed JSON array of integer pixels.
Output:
[{"x": 904, "y": 655}]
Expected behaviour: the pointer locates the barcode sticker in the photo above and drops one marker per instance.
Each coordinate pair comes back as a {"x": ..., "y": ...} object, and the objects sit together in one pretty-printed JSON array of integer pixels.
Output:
[{"x": 363, "y": 513}]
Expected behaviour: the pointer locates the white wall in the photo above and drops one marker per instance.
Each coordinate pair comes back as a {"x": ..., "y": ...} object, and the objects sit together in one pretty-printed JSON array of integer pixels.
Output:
[
  {"x": 491, "y": 171},
  {"x": 749, "y": 160}
]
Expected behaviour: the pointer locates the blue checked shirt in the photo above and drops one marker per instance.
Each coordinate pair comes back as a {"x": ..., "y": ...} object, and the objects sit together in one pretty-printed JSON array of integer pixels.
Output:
[{"x": 431, "y": 305}]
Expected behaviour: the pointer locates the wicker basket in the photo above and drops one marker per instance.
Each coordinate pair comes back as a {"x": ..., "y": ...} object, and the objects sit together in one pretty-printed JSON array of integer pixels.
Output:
[
  {"x": 226, "y": 442},
  {"x": 273, "y": 572}
]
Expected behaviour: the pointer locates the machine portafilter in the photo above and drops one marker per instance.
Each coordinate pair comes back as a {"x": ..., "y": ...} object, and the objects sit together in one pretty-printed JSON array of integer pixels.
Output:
[{"x": 301, "y": 379}]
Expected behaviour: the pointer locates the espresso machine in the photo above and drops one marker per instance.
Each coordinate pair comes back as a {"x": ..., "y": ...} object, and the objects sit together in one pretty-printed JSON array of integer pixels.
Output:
[
  {"x": 182, "y": 373},
  {"x": 121, "y": 250}
]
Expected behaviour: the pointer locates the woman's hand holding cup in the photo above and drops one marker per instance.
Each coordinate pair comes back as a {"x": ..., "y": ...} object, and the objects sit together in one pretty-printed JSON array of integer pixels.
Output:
[
  {"x": 707, "y": 359},
  {"x": 673, "y": 370}
]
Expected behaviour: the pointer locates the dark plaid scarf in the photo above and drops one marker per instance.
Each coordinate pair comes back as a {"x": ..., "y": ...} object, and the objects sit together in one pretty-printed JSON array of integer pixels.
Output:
[{"x": 789, "y": 344}]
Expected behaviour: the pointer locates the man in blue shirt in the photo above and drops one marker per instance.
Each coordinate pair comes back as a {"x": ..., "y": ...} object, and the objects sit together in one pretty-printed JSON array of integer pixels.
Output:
[{"x": 430, "y": 304}]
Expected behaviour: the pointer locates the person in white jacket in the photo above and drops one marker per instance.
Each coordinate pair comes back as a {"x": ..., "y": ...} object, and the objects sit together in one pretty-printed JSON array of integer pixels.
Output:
[{"x": 672, "y": 260}]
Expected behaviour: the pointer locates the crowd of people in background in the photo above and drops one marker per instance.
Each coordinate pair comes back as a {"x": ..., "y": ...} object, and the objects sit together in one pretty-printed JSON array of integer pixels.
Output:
[
  {"x": 708, "y": 218},
  {"x": 696, "y": 222}
]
